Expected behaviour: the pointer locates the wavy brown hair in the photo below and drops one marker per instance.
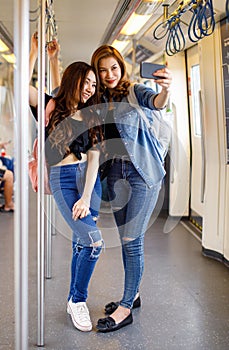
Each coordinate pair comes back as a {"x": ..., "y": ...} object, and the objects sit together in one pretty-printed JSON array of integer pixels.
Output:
[
  {"x": 106, "y": 51},
  {"x": 73, "y": 80}
]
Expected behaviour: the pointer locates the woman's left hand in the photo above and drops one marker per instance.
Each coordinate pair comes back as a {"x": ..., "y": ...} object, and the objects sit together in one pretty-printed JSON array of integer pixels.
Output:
[
  {"x": 80, "y": 209},
  {"x": 53, "y": 49},
  {"x": 166, "y": 80}
]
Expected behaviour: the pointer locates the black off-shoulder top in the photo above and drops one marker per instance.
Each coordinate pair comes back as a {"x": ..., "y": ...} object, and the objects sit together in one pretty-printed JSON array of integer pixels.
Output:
[{"x": 80, "y": 144}]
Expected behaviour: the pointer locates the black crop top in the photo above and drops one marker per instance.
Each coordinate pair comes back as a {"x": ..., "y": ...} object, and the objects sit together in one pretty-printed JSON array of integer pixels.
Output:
[{"x": 80, "y": 144}]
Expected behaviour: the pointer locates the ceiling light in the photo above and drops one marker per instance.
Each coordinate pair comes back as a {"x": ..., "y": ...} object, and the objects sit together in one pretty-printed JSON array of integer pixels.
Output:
[
  {"x": 134, "y": 24},
  {"x": 3, "y": 46},
  {"x": 120, "y": 45},
  {"x": 147, "y": 6},
  {"x": 9, "y": 58},
  {"x": 123, "y": 37}
]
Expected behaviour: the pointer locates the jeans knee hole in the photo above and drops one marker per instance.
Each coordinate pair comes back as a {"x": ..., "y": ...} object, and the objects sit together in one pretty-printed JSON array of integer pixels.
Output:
[
  {"x": 96, "y": 250},
  {"x": 128, "y": 239},
  {"x": 97, "y": 244}
]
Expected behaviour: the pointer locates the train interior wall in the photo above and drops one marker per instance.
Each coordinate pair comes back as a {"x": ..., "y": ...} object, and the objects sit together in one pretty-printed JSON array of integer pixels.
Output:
[{"x": 185, "y": 295}]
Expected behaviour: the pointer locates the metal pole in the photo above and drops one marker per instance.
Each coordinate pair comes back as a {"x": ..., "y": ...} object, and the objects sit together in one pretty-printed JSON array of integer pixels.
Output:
[
  {"x": 134, "y": 44},
  {"x": 53, "y": 217},
  {"x": 41, "y": 157},
  {"x": 48, "y": 271},
  {"x": 48, "y": 266},
  {"x": 21, "y": 88}
]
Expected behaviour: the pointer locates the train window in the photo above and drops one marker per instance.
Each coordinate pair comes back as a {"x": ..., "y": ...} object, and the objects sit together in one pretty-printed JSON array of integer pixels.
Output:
[{"x": 195, "y": 93}]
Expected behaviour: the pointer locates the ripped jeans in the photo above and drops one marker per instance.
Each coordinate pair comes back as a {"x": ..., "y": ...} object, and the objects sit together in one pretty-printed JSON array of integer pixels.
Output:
[
  {"x": 132, "y": 202},
  {"x": 67, "y": 184}
]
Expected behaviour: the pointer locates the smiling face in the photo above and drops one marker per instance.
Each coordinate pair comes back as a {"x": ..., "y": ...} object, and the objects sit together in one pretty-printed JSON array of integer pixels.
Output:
[
  {"x": 109, "y": 72},
  {"x": 89, "y": 87},
  {"x": 78, "y": 85}
]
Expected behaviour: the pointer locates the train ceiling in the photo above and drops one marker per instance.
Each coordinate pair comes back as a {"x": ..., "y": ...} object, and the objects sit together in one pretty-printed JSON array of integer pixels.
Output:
[{"x": 83, "y": 25}]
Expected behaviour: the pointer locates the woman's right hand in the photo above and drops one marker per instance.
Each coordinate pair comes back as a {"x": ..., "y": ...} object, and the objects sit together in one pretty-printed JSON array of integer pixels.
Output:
[
  {"x": 80, "y": 209},
  {"x": 34, "y": 44}
]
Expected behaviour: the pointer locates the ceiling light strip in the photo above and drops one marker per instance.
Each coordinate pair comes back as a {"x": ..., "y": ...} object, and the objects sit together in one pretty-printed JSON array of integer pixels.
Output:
[
  {"x": 123, "y": 11},
  {"x": 6, "y": 37}
]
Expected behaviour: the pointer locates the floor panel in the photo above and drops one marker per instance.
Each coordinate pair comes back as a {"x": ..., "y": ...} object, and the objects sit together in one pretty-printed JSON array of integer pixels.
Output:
[{"x": 185, "y": 303}]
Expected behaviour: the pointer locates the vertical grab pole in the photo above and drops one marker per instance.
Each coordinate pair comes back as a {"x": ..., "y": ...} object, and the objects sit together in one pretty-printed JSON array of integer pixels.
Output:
[
  {"x": 41, "y": 157},
  {"x": 48, "y": 270},
  {"x": 48, "y": 266},
  {"x": 134, "y": 44},
  {"x": 53, "y": 217},
  {"x": 21, "y": 88}
]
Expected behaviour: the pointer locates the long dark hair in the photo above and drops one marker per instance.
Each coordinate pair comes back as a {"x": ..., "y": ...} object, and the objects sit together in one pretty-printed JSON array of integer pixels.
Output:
[
  {"x": 106, "y": 51},
  {"x": 73, "y": 80}
]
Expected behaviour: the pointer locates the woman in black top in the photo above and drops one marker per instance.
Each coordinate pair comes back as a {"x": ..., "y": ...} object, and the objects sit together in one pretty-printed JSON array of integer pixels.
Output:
[{"x": 72, "y": 152}]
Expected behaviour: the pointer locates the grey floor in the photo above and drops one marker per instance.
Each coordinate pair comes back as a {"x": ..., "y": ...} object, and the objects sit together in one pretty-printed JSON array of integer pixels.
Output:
[{"x": 185, "y": 296}]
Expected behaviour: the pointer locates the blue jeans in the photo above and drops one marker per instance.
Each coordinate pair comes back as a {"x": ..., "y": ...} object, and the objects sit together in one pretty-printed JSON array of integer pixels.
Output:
[
  {"x": 132, "y": 202},
  {"x": 67, "y": 184}
]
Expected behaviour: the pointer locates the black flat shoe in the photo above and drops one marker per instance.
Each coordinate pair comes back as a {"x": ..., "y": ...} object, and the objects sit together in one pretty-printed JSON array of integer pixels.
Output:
[
  {"x": 111, "y": 307},
  {"x": 108, "y": 324}
]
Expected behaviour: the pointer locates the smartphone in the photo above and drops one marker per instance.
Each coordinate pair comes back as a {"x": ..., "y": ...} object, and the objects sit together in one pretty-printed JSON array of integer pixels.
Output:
[{"x": 147, "y": 69}]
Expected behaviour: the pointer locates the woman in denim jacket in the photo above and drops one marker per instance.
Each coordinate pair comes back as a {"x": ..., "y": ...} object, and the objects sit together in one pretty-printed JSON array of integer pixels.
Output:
[{"x": 136, "y": 172}]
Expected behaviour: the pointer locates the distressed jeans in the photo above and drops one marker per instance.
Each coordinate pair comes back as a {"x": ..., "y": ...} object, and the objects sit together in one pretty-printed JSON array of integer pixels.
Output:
[
  {"x": 132, "y": 202},
  {"x": 67, "y": 184}
]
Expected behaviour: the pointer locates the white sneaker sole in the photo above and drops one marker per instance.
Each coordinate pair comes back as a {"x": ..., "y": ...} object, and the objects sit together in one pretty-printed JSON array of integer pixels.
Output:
[{"x": 77, "y": 325}]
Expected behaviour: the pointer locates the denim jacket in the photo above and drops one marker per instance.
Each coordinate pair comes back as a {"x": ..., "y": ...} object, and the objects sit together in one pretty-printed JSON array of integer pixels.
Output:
[{"x": 143, "y": 148}]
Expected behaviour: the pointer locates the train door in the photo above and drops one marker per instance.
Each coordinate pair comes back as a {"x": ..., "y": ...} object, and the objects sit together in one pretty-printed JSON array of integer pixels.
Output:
[{"x": 197, "y": 138}]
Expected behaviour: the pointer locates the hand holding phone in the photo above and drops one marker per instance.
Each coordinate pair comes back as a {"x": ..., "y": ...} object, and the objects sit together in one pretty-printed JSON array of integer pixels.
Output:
[{"x": 147, "y": 69}]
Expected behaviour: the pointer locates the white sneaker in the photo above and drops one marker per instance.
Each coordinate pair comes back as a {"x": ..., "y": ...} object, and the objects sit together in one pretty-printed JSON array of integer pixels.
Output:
[
  {"x": 68, "y": 308},
  {"x": 80, "y": 316}
]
